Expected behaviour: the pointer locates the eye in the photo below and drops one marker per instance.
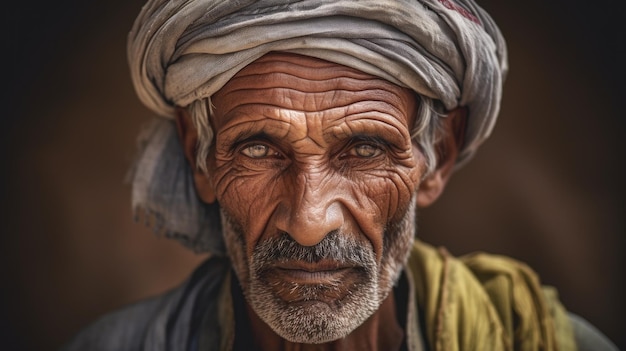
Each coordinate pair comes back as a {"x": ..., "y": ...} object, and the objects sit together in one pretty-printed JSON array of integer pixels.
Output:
[
  {"x": 365, "y": 151},
  {"x": 258, "y": 151}
]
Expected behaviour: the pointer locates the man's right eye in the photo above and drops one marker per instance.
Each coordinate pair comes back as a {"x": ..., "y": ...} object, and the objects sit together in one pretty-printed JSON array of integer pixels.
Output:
[{"x": 258, "y": 151}]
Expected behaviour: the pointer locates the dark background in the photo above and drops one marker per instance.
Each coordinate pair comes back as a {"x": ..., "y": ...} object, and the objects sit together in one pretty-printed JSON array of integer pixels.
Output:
[{"x": 547, "y": 188}]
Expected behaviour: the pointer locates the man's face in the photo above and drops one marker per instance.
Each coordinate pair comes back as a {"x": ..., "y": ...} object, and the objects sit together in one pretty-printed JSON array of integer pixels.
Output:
[{"x": 315, "y": 173}]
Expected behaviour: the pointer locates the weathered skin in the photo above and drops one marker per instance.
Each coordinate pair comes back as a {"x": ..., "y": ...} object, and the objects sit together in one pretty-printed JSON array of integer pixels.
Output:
[{"x": 307, "y": 148}]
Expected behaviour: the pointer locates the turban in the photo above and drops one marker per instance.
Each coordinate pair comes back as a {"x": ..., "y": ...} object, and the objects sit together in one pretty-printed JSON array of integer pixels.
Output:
[{"x": 183, "y": 51}]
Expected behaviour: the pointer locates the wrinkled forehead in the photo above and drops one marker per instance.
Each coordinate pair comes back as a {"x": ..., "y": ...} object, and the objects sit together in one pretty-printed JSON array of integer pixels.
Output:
[{"x": 303, "y": 84}]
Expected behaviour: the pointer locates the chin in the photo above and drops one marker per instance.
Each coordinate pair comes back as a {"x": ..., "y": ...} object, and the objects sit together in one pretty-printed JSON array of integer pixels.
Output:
[{"x": 308, "y": 314}]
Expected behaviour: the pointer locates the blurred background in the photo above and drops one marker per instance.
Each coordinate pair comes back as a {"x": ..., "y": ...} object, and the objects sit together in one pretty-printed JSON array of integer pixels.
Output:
[{"x": 547, "y": 188}]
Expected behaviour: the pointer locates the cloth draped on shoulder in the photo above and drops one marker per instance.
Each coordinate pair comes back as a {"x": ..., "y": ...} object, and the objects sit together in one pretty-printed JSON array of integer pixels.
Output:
[
  {"x": 486, "y": 302},
  {"x": 180, "y": 52}
]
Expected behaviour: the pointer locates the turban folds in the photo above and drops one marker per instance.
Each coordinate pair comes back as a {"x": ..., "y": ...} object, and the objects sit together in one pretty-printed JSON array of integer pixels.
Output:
[
  {"x": 181, "y": 51},
  {"x": 184, "y": 50}
]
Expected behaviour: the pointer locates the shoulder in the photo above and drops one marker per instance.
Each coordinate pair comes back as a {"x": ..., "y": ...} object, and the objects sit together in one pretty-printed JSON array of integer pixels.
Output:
[
  {"x": 526, "y": 311},
  {"x": 588, "y": 337},
  {"x": 120, "y": 330},
  {"x": 571, "y": 331},
  {"x": 144, "y": 324}
]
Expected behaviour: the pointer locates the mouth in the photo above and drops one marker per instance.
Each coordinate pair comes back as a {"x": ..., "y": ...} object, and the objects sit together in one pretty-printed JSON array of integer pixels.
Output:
[
  {"x": 313, "y": 277},
  {"x": 324, "y": 281}
]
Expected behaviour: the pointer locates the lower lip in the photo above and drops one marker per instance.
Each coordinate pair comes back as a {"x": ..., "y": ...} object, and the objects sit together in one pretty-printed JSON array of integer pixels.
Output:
[{"x": 295, "y": 286}]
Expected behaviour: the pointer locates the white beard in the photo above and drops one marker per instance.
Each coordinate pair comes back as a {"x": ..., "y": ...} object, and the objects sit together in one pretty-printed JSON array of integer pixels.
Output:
[{"x": 320, "y": 322}]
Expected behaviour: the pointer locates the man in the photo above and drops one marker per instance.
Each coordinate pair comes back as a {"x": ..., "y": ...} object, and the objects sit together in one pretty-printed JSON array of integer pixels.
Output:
[{"x": 299, "y": 139}]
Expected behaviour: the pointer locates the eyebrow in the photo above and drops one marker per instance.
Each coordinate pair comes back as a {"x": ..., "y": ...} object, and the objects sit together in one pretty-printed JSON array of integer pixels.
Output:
[
  {"x": 364, "y": 137},
  {"x": 370, "y": 130},
  {"x": 248, "y": 135}
]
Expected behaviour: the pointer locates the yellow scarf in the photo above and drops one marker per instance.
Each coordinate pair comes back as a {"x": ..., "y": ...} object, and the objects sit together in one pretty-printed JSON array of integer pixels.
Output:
[{"x": 487, "y": 303}]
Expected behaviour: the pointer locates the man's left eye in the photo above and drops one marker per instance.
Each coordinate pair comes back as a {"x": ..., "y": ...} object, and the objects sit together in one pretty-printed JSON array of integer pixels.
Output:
[{"x": 365, "y": 151}]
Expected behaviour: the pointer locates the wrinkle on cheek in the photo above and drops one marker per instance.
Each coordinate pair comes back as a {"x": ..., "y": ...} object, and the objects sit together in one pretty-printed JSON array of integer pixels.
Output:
[
  {"x": 367, "y": 213},
  {"x": 251, "y": 200},
  {"x": 405, "y": 185},
  {"x": 384, "y": 195},
  {"x": 224, "y": 177},
  {"x": 259, "y": 212},
  {"x": 234, "y": 182},
  {"x": 387, "y": 197},
  {"x": 234, "y": 191}
]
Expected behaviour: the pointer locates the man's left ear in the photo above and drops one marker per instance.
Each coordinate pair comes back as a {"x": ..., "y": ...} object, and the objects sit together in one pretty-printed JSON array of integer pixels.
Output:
[{"x": 447, "y": 150}]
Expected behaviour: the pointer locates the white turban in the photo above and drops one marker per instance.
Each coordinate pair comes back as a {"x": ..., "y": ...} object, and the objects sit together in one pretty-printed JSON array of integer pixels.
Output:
[{"x": 181, "y": 51}]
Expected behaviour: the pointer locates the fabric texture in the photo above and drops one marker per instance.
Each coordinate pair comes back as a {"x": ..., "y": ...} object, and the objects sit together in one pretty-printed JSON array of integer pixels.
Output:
[
  {"x": 476, "y": 302},
  {"x": 163, "y": 192},
  {"x": 182, "y": 51},
  {"x": 486, "y": 302}
]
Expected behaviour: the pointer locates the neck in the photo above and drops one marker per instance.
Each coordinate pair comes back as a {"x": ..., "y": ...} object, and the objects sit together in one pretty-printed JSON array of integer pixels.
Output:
[{"x": 379, "y": 332}]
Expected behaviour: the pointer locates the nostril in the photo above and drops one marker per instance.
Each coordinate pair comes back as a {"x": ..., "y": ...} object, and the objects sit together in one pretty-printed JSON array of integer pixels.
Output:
[{"x": 308, "y": 225}]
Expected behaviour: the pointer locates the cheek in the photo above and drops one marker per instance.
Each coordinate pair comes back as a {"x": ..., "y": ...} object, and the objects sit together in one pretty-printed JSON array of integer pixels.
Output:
[
  {"x": 388, "y": 192},
  {"x": 248, "y": 196},
  {"x": 392, "y": 186},
  {"x": 382, "y": 197}
]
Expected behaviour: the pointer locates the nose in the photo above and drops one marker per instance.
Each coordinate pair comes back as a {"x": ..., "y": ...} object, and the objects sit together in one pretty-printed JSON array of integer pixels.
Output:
[{"x": 311, "y": 211}]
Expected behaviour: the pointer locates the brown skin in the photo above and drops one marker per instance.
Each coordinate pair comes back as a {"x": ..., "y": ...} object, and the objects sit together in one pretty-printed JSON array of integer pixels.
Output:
[{"x": 329, "y": 149}]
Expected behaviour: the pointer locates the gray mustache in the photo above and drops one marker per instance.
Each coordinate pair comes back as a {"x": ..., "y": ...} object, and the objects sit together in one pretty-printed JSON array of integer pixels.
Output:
[{"x": 338, "y": 247}]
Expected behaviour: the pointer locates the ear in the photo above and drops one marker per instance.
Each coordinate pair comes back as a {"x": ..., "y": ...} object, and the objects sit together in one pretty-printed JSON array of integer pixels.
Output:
[
  {"x": 447, "y": 150},
  {"x": 188, "y": 136}
]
